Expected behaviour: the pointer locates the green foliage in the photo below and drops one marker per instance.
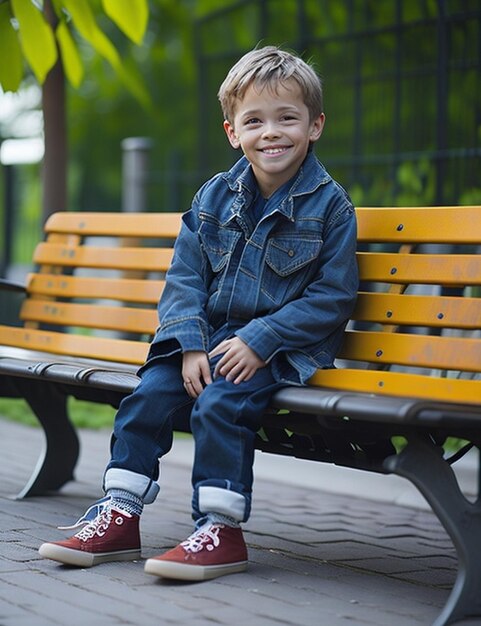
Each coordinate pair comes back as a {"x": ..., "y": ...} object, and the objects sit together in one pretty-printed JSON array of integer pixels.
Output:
[
  {"x": 131, "y": 16},
  {"x": 11, "y": 69},
  {"x": 83, "y": 414},
  {"x": 37, "y": 40},
  {"x": 471, "y": 196},
  {"x": 25, "y": 21}
]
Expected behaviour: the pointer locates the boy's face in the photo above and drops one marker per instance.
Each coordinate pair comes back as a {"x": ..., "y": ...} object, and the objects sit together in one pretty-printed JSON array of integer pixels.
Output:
[{"x": 274, "y": 131}]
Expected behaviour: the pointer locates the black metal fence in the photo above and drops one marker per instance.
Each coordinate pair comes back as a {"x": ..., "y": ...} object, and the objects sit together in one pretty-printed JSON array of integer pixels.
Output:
[{"x": 402, "y": 83}]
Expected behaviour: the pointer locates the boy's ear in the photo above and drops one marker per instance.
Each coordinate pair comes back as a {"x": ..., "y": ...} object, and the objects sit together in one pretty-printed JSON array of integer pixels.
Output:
[
  {"x": 231, "y": 134},
  {"x": 317, "y": 127}
]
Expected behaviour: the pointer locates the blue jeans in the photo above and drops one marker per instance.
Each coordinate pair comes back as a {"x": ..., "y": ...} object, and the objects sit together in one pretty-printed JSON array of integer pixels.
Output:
[{"x": 223, "y": 420}]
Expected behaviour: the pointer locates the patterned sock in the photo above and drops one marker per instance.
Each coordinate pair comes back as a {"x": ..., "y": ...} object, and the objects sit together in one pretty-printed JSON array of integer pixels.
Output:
[
  {"x": 218, "y": 518},
  {"x": 126, "y": 501}
]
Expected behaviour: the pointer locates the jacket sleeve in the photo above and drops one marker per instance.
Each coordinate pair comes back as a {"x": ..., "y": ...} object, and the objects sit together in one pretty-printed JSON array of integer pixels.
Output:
[
  {"x": 182, "y": 306},
  {"x": 326, "y": 303}
]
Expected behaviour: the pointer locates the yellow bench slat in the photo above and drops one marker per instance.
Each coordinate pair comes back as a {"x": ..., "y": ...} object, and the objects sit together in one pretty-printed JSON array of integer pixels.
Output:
[
  {"x": 451, "y": 353},
  {"x": 105, "y": 349},
  {"x": 429, "y": 269},
  {"x": 145, "y": 259},
  {"x": 400, "y": 384},
  {"x": 418, "y": 310},
  {"x": 90, "y": 316},
  {"x": 461, "y": 224},
  {"x": 124, "y": 289},
  {"x": 116, "y": 224}
]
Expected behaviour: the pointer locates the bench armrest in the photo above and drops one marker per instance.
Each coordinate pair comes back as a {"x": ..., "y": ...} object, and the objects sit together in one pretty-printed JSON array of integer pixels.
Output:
[
  {"x": 11, "y": 285},
  {"x": 12, "y": 294}
]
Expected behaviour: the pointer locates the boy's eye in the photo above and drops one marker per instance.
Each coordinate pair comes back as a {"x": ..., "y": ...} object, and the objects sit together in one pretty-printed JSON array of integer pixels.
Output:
[{"x": 253, "y": 120}]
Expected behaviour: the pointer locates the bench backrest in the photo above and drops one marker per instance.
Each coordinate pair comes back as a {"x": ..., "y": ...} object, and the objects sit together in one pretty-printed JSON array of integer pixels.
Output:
[
  {"x": 416, "y": 327},
  {"x": 98, "y": 280},
  {"x": 100, "y": 276}
]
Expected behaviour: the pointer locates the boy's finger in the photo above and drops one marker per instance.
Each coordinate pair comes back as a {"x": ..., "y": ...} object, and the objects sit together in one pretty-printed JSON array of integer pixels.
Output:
[
  {"x": 220, "y": 364},
  {"x": 236, "y": 370},
  {"x": 226, "y": 365},
  {"x": 196, "y": 388},
  {"x": 244, "y": 377},
  {"x": 220, "y": 349}
]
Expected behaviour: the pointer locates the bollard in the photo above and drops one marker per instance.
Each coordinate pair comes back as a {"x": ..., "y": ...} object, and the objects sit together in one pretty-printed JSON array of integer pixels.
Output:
[{"x": 135, "y": 160}]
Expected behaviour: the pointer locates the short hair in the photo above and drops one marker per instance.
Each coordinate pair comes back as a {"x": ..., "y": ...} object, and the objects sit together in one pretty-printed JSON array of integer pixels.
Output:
[{"x": 270, "y": 67}]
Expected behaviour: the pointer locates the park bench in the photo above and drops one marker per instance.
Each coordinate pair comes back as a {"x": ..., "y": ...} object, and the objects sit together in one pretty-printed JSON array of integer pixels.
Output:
[{"x": 408, "y": 372}]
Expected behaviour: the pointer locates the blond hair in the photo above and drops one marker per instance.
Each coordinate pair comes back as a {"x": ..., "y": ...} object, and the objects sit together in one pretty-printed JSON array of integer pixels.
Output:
[{"x": 270, "y": 67}]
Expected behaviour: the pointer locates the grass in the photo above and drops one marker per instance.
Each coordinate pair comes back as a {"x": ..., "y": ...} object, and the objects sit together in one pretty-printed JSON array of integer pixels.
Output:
[{"x": 83, "y": 414}]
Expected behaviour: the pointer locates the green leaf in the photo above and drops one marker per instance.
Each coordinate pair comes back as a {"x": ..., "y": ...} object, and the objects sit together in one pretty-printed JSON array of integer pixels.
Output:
[
  {"x": 11, "y": 66},
  {"x": 71, "y": 60},
  {"x": 36, "y": 38},
  {"x": 84, "y": 21},
  {"x": 131, "y": 16}
]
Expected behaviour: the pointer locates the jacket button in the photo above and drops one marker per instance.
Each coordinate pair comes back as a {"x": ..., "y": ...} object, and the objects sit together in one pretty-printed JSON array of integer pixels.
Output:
[{"x": 291, "y": 253}]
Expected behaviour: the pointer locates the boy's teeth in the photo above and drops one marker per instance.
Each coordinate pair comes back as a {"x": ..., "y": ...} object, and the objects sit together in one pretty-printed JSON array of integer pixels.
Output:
[{"x": 273, "y": 150}]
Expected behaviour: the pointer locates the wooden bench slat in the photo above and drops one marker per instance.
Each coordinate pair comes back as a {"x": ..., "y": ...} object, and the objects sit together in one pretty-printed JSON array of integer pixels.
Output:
[
  {"x": 400, "y": 384},
  {"x": 418, "y": 310},
  {"x": 121, "y": 225},
  {"x": 454, "y": 224},
  {"x": 461, "y": 224},
  {"x": 120, "y": 318},
  {"x": 429, "y": 269},
  {"x": 125, "y": 289},
  {"x": 105, "y": 349},
  {"x": 450, "y": 353},
  {"x": 145, "y": 259}
]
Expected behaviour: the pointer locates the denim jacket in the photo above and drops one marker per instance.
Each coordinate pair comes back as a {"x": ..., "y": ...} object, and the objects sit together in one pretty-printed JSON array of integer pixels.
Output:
[{"x": 285, "y": 285}]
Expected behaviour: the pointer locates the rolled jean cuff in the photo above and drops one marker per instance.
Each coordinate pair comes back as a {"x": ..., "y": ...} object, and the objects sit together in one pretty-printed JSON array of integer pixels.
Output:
[
  {"x": 141, "y": 486},
  {"x": 224, "y": 501}
]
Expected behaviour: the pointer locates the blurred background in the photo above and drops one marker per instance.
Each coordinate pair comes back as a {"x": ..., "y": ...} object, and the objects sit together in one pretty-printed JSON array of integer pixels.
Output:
[{"x": 402, "y": 83}]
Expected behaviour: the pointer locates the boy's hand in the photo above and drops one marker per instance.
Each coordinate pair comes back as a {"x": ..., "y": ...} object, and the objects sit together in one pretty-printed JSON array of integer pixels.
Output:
[
  {"x": 239, "y": 361},
  {"x": 195, "y": 372}
]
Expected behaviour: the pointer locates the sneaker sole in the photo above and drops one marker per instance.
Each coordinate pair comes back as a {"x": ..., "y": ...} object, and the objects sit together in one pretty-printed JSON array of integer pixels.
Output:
[
  {"x": 181, "y": 571},
  {"x": 68, "y": 556}
]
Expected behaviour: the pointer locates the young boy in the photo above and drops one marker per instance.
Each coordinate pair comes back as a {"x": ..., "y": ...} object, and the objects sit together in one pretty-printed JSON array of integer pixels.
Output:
[{"x": 262, "y": 282}]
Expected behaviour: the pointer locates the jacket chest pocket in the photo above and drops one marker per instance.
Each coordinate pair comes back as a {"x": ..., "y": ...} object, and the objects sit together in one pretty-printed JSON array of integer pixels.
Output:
[
  {"x": 217, "y": 244},
  {"x": 286, "y": 257}
]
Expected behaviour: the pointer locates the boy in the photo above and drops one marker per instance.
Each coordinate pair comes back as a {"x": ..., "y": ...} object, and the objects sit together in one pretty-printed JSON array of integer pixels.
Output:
[{"x": 262, "y": 282}]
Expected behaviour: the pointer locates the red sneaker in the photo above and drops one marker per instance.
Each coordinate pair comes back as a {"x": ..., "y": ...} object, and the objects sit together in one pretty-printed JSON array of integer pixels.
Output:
[
  {"x": 213, "y": 550},
  {"x": 112, "y": 535}
]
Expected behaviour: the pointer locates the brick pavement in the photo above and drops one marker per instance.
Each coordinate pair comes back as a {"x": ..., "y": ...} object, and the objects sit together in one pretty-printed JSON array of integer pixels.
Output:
[{"x": 316, "y": 558}]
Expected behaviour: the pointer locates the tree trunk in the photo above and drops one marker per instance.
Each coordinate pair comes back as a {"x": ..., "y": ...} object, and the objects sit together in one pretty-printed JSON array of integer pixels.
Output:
[{"x": 54, "y": 196}]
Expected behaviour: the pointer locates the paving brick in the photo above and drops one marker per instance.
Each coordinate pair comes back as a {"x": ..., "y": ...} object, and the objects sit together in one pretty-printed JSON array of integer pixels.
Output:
[{"x": 315, "y": 557}]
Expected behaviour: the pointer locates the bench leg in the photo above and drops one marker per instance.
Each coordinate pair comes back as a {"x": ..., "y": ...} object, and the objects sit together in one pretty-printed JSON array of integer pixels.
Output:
[
  {"x": 59, "y": 456},
  {"x": 422, "y": 463}
]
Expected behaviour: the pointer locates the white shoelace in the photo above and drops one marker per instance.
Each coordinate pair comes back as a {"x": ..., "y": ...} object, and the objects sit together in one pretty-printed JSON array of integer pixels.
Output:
[
  {"x": 205, "y": 535},
  {"x": 101, "y": 523},
  {"x": 90, "y": 514}
]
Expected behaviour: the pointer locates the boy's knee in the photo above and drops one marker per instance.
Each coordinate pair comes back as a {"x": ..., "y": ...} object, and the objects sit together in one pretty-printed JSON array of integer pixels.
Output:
[{"x": 213, "y": 402}]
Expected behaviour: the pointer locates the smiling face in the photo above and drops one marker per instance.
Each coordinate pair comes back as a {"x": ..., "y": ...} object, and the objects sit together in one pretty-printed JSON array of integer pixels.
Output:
[{"x": 274, "y": 130}]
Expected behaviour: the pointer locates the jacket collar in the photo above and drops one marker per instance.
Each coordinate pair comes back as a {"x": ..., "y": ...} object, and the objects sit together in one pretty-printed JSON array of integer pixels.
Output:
[{"x": 310, "y": 176}]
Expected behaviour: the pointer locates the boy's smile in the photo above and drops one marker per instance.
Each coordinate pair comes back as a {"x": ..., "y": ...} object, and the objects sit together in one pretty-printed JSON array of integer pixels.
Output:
[{"x": 274, "y": 130}]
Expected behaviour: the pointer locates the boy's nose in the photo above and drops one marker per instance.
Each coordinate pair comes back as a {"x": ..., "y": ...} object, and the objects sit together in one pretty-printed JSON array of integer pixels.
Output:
[{"x": 270, "y": 130}]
